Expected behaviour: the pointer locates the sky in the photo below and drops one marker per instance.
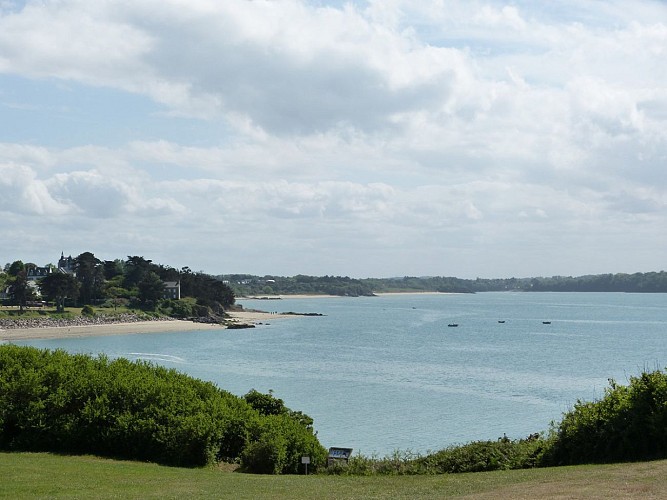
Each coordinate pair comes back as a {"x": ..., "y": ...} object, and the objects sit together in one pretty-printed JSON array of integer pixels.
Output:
[{"x": 379, "y": 138}]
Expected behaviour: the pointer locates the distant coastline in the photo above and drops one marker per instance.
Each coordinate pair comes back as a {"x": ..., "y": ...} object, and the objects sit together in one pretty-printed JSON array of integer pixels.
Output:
[{"x": 325, "y": 296}]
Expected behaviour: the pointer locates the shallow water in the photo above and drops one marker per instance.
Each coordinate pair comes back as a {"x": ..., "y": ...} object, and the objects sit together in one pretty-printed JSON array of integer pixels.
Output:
[{"x": 384, "y": 373}]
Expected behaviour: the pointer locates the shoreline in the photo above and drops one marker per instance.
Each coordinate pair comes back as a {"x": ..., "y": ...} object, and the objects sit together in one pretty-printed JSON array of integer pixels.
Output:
[
  {"x": 250, "y": 317},
  {"x": 132, "y": 328},
  {"x": 322, "y": 296}
]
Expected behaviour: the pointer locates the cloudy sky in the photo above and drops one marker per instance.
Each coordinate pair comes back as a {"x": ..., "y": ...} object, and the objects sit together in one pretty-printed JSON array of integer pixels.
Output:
[{"x": 362, "y": 138}]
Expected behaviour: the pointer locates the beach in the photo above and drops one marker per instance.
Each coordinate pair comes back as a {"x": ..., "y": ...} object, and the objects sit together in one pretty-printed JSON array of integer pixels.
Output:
[{"x": 138, "y": 327}]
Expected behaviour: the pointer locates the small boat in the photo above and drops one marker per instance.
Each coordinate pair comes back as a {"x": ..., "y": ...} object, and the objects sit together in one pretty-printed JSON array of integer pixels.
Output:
[
  {"x": 546, "y": 322},
  {"x": 501, "y": 321},
  {"x": 452, "y": 325}
]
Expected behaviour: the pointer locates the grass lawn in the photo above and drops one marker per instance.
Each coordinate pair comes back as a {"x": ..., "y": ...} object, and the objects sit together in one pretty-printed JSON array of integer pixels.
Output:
[
  {"x": 70, "y": 312},
  {"x": 41, "y": 475}
]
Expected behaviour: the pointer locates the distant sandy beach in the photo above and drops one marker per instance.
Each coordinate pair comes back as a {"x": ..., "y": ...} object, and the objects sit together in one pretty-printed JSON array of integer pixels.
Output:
[
  {"x": 385, "y": 294},
  {"x": 250, "y": 317},
  {"x": 315, "y": 296},
  {"x": 286, "y": 296}
]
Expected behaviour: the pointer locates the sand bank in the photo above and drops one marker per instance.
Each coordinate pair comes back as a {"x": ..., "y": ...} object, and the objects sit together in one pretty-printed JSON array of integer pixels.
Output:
[
  {"x": 269, "y": 298},
  {"x": 390, "y": 294}
]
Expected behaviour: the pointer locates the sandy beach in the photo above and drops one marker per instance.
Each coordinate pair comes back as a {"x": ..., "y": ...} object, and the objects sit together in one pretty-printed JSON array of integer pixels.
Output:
[
  {"x": 269, "y": 298},
  {"x": 250, "y": 317}
]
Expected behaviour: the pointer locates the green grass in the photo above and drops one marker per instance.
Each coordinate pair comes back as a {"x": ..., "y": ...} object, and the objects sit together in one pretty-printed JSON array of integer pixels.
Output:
[
  {"x": 41, "y": 475},
  {"x": 70, "y": 312}
]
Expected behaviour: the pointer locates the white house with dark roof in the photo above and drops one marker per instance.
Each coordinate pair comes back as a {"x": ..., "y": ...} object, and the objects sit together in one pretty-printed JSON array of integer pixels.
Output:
[{"x": 37, "y": 273}]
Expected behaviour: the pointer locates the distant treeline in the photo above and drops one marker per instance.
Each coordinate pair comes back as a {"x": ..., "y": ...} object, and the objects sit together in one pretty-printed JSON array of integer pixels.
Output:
[
  {"x": 249, "y": 285},
  {"x": 637, "y": 282},
  {"x": 246, "y": 285}
]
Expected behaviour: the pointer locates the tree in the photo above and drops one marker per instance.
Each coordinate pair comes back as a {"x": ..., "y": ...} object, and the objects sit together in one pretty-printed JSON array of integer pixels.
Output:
[
  {"x": 20, "y": 290},
  {"x": 89, "y": 272},
  {"x": 136, "y": 268},
  {"x": 15, "y": 267},
  {"x": 58, "y": 287},
  {"x": 113, "y": 268},
  {"x": 151, "y": 289}
]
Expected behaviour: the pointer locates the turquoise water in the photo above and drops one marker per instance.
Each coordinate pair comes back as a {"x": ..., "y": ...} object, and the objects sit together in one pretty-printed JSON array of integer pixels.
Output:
[{"x": 384, "y": 373}]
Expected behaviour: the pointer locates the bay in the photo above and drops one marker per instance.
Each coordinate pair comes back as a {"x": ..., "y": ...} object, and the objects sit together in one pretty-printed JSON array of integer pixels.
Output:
[{"x": 387, "y": 373}]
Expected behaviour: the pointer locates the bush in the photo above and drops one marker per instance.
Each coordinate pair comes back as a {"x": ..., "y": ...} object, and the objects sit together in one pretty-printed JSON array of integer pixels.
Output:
[
  {"x": 281, "y": 438},
  {"x": 479, "y": 456},
  {"x": 87, "y": 311},
  {"x": 628, "y": 423},
  {"x": 54, "y": 401},
  {"x": 476, "y": 456}
]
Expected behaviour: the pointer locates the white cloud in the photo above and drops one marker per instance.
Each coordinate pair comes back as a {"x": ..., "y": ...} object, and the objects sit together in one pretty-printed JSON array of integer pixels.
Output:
[
  {"x": 440, "y": 125},
  {"x": 21, "y": 192}
]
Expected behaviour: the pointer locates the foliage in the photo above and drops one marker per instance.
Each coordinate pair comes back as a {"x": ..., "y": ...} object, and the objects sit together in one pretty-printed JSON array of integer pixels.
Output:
[
  {"x": 637, "y": 282},
  {"x": 151, "y": 289},
  {"x": 277, "y": 444},
  {"x": 265, "y": 404},
  {"x": 87, "y": 311},
  {"x": 20, "y": 291},
  {"x": 281, "y": 439},
  {"x": 477, "y": 456},
  {"x": 58, "y": 287},
  {"x": 249, "y": 285},
  {"x": 136, "y": 281},
  {"x": 184, "y": 308},
  {"x": 15, "y": 267},
  {"x": 90, "y": 274},
  {"x": 54, "y": 401},
  {"x": 268, "y": 404},
  {"x": 628, "y": 423}
]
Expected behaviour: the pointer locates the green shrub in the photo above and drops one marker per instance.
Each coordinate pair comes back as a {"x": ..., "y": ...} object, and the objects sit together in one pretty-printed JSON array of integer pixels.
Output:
[
  {"x": 277, "y": 443},
  {"x": 267, "y": 454},
  {"x": 476, "y": 456},
  {"x": 479, "y": 456},
  {"x": 628, "y": 423},
  {"x": 87, "y": 311},
  {"x": 54, "y": 401}
]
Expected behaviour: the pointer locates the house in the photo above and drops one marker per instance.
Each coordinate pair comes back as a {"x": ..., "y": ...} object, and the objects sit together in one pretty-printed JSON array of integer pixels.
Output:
[
  {"x": 172, "y": 290},
  {"x": 37, "y": 273},
  {"x": 66, "y": 264}
]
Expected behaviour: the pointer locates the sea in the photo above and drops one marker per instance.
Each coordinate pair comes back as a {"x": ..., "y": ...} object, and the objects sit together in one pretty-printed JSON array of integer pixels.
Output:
[{"x": 388, "y": 373}]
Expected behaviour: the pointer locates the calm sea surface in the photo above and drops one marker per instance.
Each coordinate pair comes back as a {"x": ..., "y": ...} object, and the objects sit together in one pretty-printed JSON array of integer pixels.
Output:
[{"x": 384, "y": 373}]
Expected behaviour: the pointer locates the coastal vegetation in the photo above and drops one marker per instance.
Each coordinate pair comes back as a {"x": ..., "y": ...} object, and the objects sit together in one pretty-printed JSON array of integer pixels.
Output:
[
  {"x": 134, "y": 283},
  {"x": 78, "y": 404},
  {"x": 54, "y": 401}
]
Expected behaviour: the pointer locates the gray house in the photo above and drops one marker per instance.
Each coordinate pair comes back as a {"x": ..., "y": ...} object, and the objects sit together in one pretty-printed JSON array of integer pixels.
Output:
[{"x": 172, "y": 290}]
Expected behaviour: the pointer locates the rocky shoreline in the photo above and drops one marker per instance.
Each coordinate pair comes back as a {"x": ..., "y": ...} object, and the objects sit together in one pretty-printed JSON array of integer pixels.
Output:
[{"x": 20, "y": 323}]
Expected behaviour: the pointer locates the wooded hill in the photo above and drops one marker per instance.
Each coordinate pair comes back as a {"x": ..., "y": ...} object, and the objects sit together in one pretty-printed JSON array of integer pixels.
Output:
[
  {"x": 134, "y": 282},
  {"x": 248, "y": 285}
]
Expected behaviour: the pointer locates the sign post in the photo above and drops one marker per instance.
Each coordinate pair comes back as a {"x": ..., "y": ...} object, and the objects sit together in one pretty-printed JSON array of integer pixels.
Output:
[
  {"x": 305, "y": 461},
  {"x": 339, "y": 455}
]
